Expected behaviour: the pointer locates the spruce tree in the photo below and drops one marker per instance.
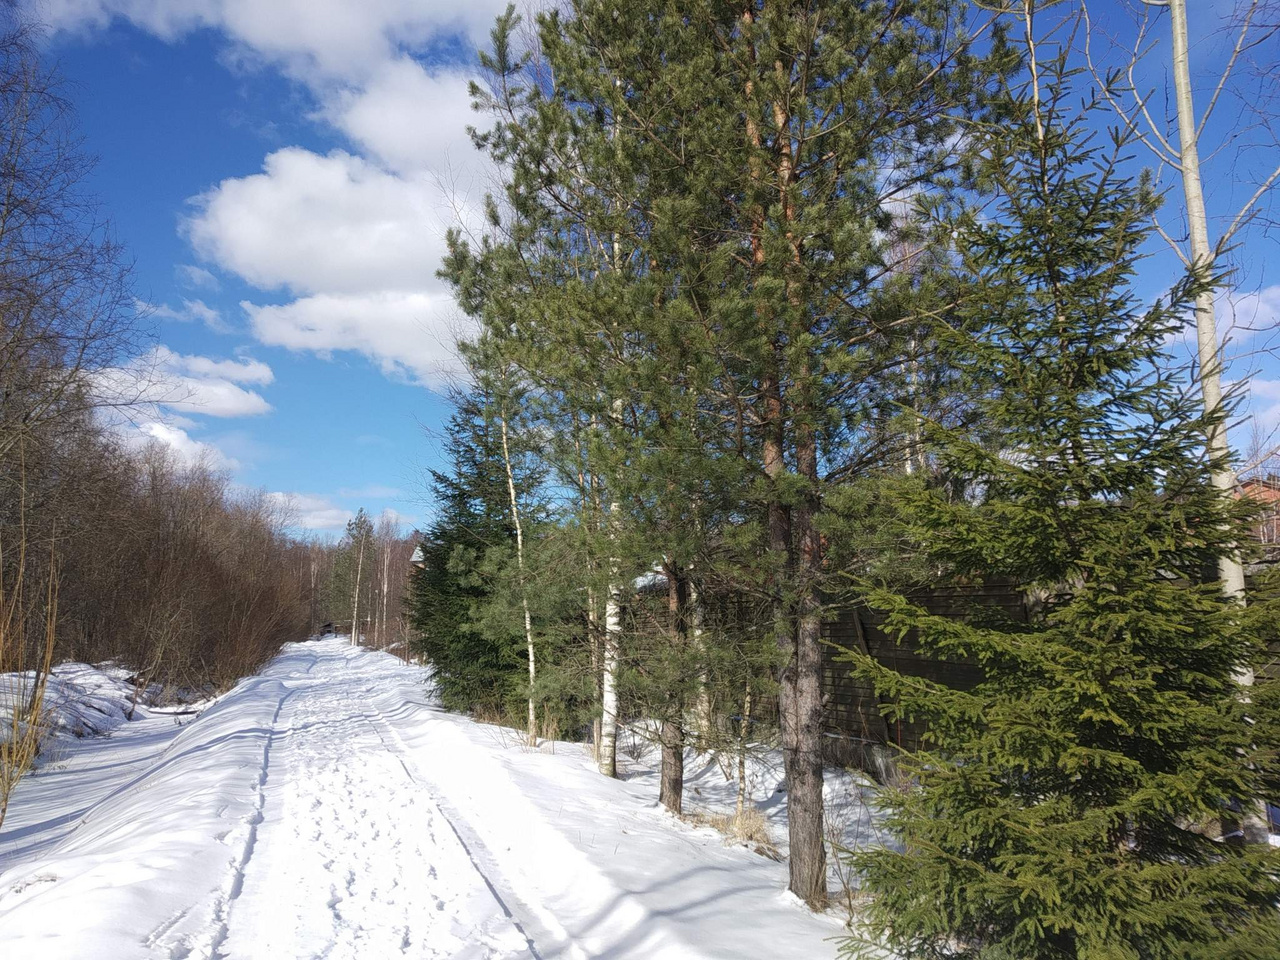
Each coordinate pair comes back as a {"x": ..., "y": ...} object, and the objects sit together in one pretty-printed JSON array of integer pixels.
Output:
[
  {"x": 472, "y": 669},
  {"x": 1057, "y": 809}
]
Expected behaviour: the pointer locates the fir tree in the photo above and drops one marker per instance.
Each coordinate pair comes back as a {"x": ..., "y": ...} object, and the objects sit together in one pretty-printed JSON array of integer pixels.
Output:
[
  {"x": 1054, "y": 810},
  {"x": 472, "y": 669}
]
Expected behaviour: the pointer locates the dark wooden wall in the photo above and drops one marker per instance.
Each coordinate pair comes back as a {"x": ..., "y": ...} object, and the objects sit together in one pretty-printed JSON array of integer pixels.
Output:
[{"x": 852, "y": 710}]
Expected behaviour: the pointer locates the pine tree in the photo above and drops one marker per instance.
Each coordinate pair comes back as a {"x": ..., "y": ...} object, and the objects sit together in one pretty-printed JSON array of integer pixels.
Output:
[
  {"x": 1054, "y": 810},
  {"x": 693, "y": 244}
]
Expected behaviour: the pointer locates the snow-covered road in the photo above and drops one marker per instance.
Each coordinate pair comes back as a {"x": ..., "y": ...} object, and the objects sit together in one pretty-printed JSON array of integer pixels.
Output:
[{"x": 327, "y": 808}]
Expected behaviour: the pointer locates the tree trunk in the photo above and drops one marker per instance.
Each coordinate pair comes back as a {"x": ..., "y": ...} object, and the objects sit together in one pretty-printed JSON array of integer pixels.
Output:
[
  {"x": 608, "y": 753},
  {"x": 671, "y": 788},
  {"x": 697, "y": 626},
  {"x": 593, "y": 638},
  {"x": 1230, "y": 570},
  {"x": 671, "y": 778},
  {"x": 386, "y": 576},
  {"x": 355, "y": 600},
  {"x": 802, "y": 732},
  {"x": 744, "y": 733},
  {"x": 524, "y": 595},
  {"x": 608, "y": 758}
]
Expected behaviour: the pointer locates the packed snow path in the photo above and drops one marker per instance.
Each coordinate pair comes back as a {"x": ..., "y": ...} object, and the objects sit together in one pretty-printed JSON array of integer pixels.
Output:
[{"x": 326, "y": 808}]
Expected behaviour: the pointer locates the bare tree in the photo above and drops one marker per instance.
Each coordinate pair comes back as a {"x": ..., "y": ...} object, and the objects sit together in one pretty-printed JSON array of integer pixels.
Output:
[
  {"x": 66, "y": 309},
  {"x": 1181, "y": 153}
]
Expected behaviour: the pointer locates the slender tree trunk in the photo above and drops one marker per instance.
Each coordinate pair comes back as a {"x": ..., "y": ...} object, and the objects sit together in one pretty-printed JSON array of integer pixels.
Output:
[
  {"x": 697, "y": 625},
  {"x": 593, "y": 639},
  {"x": 671, "y": 786},
  {"x": 671, "y": 778},
  {"x": 524, "y": 595},
  {"x": 1230, "y": 569},
  {"x": 387, "y": 567},
  {"x": 744, "y": 734},
  {"x": 355, "y": 600},
  {"x": 608, "y": 753}
]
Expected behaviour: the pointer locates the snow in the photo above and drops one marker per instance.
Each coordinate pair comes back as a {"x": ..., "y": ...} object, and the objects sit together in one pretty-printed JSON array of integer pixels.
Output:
[{"x": 328, "y": 807}]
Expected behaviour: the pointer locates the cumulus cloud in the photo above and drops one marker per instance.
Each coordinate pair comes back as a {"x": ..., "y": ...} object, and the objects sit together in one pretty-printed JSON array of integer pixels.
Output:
[
  {"x": 187, "y": 449},
  {"x": 409, "y": 119},
  {"x": 198, "y": 278},
  {"x": 191, "y": 311},
  {"x": 334, "y": 223},
  {"x": 1264, "y": 403},
  {"x": 313, "y": 40},
  {"x": 310, "y": 511},
  {"x": 1243, "y": 316},
  {"x": 163, "y": 379},
  {"x": 354, "y": 237},
  {"x": 409, "y": 336}
]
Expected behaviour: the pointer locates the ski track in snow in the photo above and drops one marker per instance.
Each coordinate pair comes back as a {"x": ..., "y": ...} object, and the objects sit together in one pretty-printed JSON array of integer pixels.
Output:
[{"x": 326, "y": 809}]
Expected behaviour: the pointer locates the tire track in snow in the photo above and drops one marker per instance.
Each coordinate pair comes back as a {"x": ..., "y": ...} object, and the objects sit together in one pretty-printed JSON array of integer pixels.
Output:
[
  {"x": 222, "y": 907},
  {"x": 527, "y": 916}
]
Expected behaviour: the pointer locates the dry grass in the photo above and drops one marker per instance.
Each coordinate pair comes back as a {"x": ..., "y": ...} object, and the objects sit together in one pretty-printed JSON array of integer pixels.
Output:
[{"x": 748, "y": 828}]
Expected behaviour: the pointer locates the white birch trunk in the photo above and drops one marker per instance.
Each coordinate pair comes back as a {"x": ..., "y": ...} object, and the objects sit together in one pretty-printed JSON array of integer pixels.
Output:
[
  {"x": 386, "y": 573},
  {"x": 608, "y": 755},
  {"x": 524, "y": 596},
  {"x": 697, "y": 625},
  {"x": 1230, "y": 570},
  {"x": 355, "y": 600}
]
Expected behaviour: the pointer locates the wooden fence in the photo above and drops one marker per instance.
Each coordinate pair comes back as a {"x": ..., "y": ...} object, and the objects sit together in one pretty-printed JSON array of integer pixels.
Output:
[{"x": 853, "y": 720}]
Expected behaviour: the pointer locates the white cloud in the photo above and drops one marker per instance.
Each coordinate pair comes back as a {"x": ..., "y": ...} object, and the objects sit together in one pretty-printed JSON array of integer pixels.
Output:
[
  {"x": 1242, "y": 316},
  {"x": 409, "y": 336},
  {"x": 311, "y": 511},
  {"x": 313, "y": 40},
  {"x": 409, "y": 119},
  {"x": 357, "y": 239},
  {"x": 244, "y": 370},
  {"x": 1239, "y": 317},
  {"x": 1264, "y": 403},
  {"x": 198, "y": 278},
  {"x": 191, "y": 311},
  {"x": 187, "y": 449},
  {"x": 312, "y": 223},
  {"x": 187, "y": 384},
  {"x": 401, "y": 520}
]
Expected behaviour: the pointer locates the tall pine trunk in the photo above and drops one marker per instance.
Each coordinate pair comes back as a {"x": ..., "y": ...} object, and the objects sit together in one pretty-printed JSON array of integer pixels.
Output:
[
  {"x": 802, "y": 729},
  {"x": 671, "y": 779}
]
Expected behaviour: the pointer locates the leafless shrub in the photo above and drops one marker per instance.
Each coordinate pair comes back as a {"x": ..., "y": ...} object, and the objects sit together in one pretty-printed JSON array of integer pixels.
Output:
[{"x": 27, "y": 636}]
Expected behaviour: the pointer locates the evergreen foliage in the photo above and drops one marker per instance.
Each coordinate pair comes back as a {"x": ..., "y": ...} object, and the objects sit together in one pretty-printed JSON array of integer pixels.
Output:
[
  {"x": 471, "y": 669},
  {"x": 1054, "y": 812}
]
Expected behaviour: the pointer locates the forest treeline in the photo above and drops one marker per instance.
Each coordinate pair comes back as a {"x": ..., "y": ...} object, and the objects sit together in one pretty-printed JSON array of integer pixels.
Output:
[
  {"x": 783, "y": 308},
  {"x": 112, "y": 549}
]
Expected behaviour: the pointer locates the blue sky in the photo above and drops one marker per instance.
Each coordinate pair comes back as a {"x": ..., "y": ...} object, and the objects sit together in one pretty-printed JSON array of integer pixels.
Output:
[{"x": 283, "y": 171}]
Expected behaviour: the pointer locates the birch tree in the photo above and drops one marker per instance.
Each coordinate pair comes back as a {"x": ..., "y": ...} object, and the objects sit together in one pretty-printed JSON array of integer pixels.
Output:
[{"x": 1201, "y": 251}]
